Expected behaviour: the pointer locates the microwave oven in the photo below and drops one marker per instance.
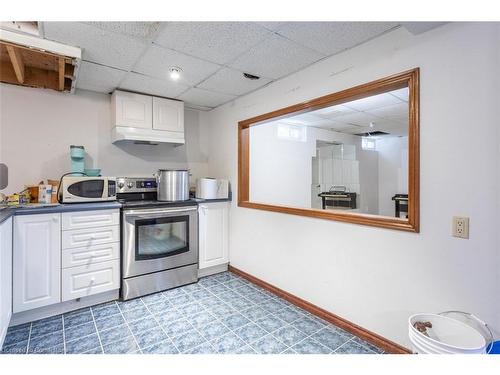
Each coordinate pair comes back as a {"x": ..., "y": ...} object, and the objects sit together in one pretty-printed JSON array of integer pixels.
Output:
[{"x": 78, "y": 189}]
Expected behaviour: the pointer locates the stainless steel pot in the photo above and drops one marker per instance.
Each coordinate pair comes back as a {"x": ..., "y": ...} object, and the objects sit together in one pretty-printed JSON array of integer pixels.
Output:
[{"x": 172, "y": 185}]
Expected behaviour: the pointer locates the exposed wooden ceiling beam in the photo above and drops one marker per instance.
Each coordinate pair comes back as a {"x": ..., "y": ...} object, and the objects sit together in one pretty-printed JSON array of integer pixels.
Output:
[
  {"x": 62, "y": 65},
  {"x": 17, "y": 62},
  {"x": 21, "y": 65}
]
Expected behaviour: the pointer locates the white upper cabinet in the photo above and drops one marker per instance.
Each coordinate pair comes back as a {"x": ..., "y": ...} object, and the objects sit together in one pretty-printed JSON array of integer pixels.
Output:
[
  {"x": 144, "y": 118},
  {"x": 213, "y": 234},
  {"x": 168, "y": 115},
  {"x": 132, "y": 110},
  {"x": 37, "y": 261}
]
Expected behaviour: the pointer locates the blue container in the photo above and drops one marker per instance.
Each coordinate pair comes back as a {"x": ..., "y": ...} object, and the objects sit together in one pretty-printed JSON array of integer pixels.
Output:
[{"x": 495, "y": 348}]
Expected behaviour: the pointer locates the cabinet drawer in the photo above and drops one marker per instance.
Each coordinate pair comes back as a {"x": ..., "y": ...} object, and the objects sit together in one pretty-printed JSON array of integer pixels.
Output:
[
  {"x": 90, "y": 219},
  {"x": 81, "y": 256},
  {"x": 84, "y": 281},
  {"x": 87, "y": 238}
]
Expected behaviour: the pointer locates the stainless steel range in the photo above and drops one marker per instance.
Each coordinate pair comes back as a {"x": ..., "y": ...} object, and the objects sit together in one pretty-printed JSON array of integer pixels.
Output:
[{"x": 159, "y": 239}]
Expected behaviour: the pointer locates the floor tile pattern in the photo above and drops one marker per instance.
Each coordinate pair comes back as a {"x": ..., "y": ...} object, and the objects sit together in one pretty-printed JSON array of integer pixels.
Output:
[{"x": 221, "y": 313}]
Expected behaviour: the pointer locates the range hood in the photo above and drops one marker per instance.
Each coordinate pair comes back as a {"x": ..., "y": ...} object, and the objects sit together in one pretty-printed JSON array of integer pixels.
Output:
[
  {"x": 145, "y": 136},
  {"x": 146, "y": 119}
]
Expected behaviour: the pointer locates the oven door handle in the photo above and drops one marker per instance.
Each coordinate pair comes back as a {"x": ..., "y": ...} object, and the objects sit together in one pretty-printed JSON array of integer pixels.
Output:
[{"x": 156, "y": 213}]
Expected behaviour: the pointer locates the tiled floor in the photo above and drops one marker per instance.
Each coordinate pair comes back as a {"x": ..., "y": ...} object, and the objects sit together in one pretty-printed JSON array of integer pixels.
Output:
[{"x": 220, "y": 314}]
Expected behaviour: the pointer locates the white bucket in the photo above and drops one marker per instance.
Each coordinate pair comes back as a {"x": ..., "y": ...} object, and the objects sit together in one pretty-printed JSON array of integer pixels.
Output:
[{"x": 447, "y": 336}]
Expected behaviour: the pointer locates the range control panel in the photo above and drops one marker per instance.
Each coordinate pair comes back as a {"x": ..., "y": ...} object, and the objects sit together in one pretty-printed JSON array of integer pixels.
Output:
[{"x": 135, "y": 184}]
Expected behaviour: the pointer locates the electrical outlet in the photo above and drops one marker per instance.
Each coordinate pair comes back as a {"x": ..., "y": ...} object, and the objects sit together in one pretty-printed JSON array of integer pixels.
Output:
[{"x": 460, "y": 227}]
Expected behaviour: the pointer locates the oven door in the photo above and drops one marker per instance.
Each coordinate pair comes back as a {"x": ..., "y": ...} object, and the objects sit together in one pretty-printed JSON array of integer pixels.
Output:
[{"x": 159, "y": 239}]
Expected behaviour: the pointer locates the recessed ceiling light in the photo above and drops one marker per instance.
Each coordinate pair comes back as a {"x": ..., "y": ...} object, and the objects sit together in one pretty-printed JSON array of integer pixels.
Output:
[{"x": 175, "y": 73}]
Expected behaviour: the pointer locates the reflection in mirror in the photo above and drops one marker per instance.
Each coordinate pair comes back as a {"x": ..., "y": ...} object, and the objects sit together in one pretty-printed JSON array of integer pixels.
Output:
[{"x": 351, "y": 157}]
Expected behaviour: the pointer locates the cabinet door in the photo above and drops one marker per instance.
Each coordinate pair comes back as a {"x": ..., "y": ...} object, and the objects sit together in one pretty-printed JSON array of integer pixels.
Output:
[
  {"x": 214, "y": 234},
  {"x": 168, "y": 115},
  {"x": 37, "y": 261},
  {"x": 5, "y": 277},
  {"x": 132, "y": 110},
  {"x": 89, "y": 279}
]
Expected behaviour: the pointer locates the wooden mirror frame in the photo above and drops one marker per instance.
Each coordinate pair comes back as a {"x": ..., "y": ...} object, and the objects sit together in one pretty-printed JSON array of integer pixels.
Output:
[{"x": 408, "y": 79}]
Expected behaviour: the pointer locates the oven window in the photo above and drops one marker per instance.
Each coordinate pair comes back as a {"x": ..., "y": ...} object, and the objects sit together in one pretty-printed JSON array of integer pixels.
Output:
[
  {"x": 87, "y": 188},
  {"x": 161, "y": 237}
]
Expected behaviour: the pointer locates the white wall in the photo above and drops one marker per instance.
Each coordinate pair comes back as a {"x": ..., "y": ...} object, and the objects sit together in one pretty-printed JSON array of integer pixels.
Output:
[
  {"x": 38, "y": 126},
  {"x": 375, "y": 277},
  {"x": 392, "y": 171},
  {"x": 281, "y": 169}
]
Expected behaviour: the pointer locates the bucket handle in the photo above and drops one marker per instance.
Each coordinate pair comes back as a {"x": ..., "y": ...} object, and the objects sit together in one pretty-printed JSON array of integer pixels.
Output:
[{"x": 477, "y": 320}]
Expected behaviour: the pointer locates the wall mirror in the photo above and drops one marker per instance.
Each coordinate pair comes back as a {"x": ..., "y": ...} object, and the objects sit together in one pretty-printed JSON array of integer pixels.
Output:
[{"x": 350, "y": 156}]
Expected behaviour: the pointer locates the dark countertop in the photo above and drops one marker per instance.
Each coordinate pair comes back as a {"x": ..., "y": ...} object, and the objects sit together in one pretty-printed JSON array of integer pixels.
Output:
[
  {"x": 198, "y": 200},
  {"x": 5, "y": 213},
  {"x": 30, "y": 209}
]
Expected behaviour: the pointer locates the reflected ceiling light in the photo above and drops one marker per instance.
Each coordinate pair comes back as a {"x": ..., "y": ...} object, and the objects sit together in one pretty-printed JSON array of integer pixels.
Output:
[
  {"x": 175, "y": 73},
  {"x": 372, "y": 124}
]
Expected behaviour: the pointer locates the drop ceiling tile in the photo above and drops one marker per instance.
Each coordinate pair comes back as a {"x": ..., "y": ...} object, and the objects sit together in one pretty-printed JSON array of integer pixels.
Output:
[
  {"x": 308, "y": 119},
  {"x": 357, "y": 118},
  {"x": 351, "y": 129},
  {"x": 141, "y": 30},
  {"x": 332, "y": 37},
  {"x": 272, "y": 25},
  {"x": 205, "y": 98},
  {"x": 333, "y": 111},
  {"x": 157, "y": 61},
  {"x": 372, "y": 102},
  {"x": 219, "y": 42},
  {"x": 275, "y": 57},
  {"x": 99, "y": 46},
  {"x": 421, "y": 27},
  {"x": 341, "y": 126},
  {"x": 397, "y": 111},
  {"x": 401, "y": 94},
  {"x": 389, "y": 124},
  {"x": 232, "y": 82},
  {"x": 153, "y": 86},
  {"x": 98, "y": 78}
]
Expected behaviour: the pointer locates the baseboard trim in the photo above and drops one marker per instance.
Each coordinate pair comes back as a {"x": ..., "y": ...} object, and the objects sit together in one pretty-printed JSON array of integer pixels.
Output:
[{"x": 381, "y": 342}]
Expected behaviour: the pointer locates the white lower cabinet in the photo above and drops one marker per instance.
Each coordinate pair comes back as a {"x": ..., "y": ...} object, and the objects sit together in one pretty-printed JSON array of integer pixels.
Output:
[
  {"x": 5, "y": 277},
  {"x": 83, "y": 281},
  {"x": 90, "y": 253},
  {"x": 213, "y": 234},
  {"x": 61, "y": 257},
  {"x": 37, "y": 261}
]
